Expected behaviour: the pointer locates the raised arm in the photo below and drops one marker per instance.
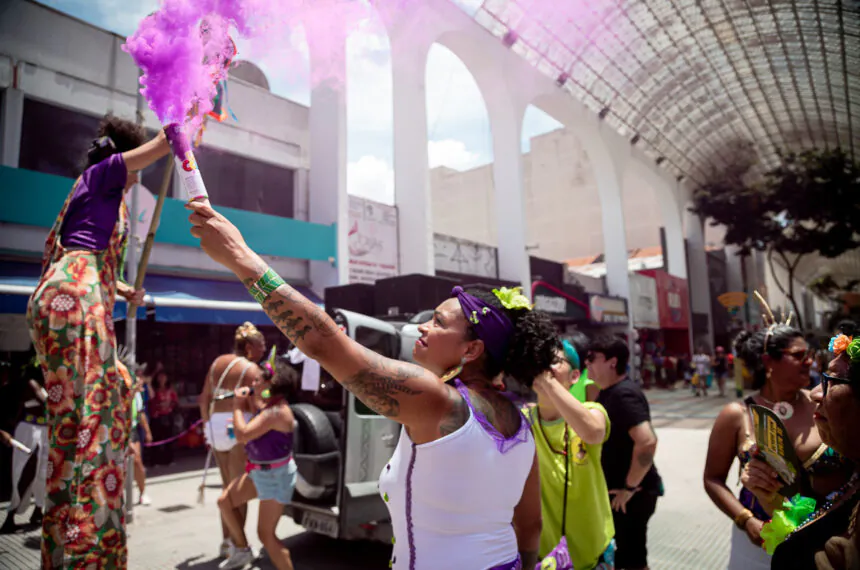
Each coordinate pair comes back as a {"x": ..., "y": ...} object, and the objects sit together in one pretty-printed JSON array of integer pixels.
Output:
[
  {"x": 147, "y": 153},
  {"x": 589, "y": 424},
  {"x": 398, "y": 390}
]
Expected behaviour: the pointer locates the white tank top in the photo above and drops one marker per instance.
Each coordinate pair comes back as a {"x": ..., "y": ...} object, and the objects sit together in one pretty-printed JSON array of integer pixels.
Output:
[{"x": 452, "y": 500}]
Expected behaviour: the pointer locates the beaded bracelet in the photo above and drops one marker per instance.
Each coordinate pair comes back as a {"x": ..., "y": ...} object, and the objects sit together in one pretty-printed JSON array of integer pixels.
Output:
[{"x": 265, "y": 285}]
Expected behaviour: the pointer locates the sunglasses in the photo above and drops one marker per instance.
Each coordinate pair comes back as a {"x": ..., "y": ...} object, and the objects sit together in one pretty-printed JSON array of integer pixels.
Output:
[
  {"x": 801, "y": 355},
  {"x": 827, "y": 380}
]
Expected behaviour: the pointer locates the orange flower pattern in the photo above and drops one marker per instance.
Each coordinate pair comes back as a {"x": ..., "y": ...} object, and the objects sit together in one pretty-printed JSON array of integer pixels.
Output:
[{"x": 71, "y": 326}]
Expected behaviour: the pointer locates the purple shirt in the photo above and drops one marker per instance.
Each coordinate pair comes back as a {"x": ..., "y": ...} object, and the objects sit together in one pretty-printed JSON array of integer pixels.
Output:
[
  {"x": 94, "y": 208},
  {"x": 270, "y": 447}
]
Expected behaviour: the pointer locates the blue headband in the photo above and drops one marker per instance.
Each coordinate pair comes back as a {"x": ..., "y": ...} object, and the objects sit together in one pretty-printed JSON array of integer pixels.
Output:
[{"x": 571, "y": 354}]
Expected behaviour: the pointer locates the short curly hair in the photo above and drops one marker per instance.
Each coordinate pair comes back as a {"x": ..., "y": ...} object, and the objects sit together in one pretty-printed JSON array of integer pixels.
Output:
[
  {"x": 123, "y": 134},
  {"x": 532, "y": 349}
]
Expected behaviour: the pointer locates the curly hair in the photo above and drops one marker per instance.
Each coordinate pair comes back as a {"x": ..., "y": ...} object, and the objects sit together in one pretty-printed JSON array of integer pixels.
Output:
[
  {"x": 285, "y": 380},
  {"x": 532, "y": 349},
  {"x": 114, "y": 136},
  {"x": 751, "y": 347},
  {"x": 245, "y": 333}
]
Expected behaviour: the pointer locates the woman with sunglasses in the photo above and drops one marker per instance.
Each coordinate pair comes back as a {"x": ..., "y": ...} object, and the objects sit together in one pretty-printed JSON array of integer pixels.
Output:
[
  {"x": 827, "y": 538},
  {"x": 779, "y": 360}
]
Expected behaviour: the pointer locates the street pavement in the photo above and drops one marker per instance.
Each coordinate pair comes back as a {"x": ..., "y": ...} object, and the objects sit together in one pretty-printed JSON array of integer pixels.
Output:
[{"x": 686, "y": 533}]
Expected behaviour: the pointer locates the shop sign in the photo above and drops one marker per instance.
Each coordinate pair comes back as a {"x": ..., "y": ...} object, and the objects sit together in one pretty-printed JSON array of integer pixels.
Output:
[
  {"x": 373, "y": 245},
  {"x": 558, "y": 303},
  {"x": 608, "y": 310},
  {"x": 465, "y": 257},
  {"x": 643, "y": 298}
]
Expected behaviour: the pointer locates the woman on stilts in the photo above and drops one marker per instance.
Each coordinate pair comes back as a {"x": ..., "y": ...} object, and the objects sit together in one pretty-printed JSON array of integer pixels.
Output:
[{"x": 70, "y": 316}]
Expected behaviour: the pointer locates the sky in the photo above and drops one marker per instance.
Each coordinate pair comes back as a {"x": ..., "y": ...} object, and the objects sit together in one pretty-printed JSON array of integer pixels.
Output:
[{"x": 457, "y": 121}]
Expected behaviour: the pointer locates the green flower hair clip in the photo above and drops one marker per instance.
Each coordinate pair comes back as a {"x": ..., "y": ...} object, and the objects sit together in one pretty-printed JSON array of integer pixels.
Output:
[
  {"x": 512, "y": 298},
  {"x": 853, "y": 350}
]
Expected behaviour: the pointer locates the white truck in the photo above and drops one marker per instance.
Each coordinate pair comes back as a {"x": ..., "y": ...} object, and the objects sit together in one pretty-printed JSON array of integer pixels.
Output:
[{"x": 341, "y": 448}]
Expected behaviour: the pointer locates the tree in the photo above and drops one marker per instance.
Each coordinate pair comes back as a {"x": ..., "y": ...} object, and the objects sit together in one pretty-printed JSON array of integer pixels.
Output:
[{"x": 809, "y": 203}]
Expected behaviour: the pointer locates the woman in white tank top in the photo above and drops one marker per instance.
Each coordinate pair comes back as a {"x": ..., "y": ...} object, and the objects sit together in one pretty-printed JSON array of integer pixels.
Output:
[{"x": 462, "y": 487}]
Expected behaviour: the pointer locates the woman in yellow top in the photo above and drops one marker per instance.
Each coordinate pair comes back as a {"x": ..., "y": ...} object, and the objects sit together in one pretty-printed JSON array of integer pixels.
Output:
[{"x": 569, "y": 436}]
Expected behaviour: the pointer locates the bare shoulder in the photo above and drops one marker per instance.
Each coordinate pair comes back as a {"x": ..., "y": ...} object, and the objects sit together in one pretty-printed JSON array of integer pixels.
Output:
[
  {"x": 499, "y": 411},
  {"x": 731, "y": 418}
]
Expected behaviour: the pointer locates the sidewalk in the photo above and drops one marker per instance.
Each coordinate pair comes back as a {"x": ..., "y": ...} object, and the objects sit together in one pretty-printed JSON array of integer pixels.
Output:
[{"x": 686, "y": 533}]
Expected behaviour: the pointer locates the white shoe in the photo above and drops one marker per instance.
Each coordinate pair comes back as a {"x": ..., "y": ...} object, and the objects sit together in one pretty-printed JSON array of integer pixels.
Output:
[
  {"x": 226, "y": 549},
  {"x": 144, "y": 500},
  {"x": 240, "y": 558}
]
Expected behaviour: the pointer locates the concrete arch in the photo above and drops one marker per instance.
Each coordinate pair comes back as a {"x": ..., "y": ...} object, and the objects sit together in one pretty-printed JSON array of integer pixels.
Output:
[
  {"x": 669, "y": 209},
  {"x": 607, "y": 172}
]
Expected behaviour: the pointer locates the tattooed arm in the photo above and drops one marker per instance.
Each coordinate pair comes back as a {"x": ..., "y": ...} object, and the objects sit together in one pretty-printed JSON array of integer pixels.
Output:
[
  {"x": 644, "y": 448},
  {"x": 398, "y": 390}
]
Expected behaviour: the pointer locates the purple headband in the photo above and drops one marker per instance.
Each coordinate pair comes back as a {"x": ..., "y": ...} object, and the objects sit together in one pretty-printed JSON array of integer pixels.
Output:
[{"x": 491, "y": 325}]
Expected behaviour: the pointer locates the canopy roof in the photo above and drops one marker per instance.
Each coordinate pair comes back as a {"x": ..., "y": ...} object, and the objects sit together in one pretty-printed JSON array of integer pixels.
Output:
[{"x": 692, "y": 81}]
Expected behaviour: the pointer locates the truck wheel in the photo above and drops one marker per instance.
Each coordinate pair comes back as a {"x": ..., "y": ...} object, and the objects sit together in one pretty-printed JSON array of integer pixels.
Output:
[
  {"x": 315, "y": 433},
  {"x": 336, "y": 421}
]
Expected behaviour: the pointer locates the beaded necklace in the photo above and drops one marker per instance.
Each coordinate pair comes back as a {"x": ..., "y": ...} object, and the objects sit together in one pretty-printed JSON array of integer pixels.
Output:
[{"x": 836, "y": 497}]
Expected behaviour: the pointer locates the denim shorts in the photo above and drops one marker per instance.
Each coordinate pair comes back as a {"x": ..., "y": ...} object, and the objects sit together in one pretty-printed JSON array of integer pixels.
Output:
[{"x": 276, "y": 484}]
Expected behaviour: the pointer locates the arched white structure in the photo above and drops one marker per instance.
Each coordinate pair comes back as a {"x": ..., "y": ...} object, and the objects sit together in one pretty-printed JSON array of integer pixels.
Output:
[{"x": 508, "y": 85}]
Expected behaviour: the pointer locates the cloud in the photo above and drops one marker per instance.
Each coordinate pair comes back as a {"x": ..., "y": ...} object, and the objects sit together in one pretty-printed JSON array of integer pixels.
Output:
[
  {"x": 371, "y": 177},
  {"x": 453, "y": 154}
]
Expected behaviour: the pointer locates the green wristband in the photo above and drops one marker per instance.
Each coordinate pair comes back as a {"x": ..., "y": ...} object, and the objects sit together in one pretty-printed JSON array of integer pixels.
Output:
[{"x": 265, "y": 285}]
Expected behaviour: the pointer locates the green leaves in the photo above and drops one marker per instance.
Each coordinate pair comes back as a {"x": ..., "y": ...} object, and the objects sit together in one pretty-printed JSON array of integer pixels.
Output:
[{"x": 809, "y": 203}]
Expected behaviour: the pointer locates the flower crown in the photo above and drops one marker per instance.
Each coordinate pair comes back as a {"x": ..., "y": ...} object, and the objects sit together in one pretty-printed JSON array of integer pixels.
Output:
[{"x": 844, "y": 343}]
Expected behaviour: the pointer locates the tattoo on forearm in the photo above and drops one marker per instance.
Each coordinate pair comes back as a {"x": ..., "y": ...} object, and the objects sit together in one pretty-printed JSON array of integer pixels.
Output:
[
  {"x": 285, "y": 319},
  {"x": 645, "y": 459},
  {"x": 293, "y": 314},
  {"x": 381, "y": 384}
]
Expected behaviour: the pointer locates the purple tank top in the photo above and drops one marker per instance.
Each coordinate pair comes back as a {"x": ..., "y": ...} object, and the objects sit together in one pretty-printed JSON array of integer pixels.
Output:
[
  {"x": 270, "y": 447},
  {"x": 94, "y": 208}
]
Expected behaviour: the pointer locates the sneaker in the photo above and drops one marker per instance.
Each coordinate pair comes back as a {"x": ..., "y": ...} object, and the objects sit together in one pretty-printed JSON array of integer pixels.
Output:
[
  {"x": 240, "y": 558},
  {"x": 144, "y": 500},
  {"x": 226, "y": 549}
]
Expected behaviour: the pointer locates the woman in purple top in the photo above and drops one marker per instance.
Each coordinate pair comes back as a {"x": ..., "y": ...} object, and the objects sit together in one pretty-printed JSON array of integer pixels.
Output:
[
  {"x": 71, "y": 325},
  {"x": 271, "y": 472}
]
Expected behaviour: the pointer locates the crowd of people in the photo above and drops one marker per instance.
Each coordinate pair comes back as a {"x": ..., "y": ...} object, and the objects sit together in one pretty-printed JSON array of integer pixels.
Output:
[{"x": 477, "y": 480}]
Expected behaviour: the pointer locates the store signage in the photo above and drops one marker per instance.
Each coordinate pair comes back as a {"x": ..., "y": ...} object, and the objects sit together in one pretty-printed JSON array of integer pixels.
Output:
[
  {"x": 373, "y": 245},
  {"x": 643, "y": 301},
  {"x": 558, "y": 303},
  {"x": 551, "y": 304},
  {"x": 673, "y": 300},
  {"x": 463, "y": 256},
  {"x": 608, "y": 310}
]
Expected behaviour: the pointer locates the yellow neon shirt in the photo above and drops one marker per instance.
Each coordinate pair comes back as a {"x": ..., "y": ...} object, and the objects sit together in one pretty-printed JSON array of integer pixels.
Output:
[{"x": 589, "y": 515}]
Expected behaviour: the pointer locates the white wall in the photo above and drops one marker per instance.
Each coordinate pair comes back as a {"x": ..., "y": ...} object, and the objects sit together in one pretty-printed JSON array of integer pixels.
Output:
[{"x": 71, "y": 64}]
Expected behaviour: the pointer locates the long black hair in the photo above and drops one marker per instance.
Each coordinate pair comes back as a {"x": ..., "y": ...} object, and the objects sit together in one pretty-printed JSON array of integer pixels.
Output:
[
  {"x": 114, "y": 136},
  {"x": 751, "y": 347},
  {"x": 532, "y": 349}
]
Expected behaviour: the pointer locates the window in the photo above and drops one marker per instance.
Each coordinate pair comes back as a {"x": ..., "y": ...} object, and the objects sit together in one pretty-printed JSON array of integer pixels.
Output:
[
  {"x": 55, "y": 140},
  {"x": 246, "y": 184},
  {"x": 381, "y": 343}
]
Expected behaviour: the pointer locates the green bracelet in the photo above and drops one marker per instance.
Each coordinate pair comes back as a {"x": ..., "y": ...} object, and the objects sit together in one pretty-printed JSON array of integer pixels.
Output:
[{"x": 265, "y": 285}]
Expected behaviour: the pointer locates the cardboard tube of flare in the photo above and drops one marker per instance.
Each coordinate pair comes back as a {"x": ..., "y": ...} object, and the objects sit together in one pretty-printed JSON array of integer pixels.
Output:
[{"x": 186, "y": 164}]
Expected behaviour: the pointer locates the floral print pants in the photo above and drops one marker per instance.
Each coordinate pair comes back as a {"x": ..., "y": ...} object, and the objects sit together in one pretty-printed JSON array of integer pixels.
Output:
[{"x": 71, "y": 325}]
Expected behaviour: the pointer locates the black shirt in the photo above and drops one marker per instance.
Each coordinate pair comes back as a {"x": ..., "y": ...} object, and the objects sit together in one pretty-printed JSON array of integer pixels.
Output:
[
  {"x": 627, "y": 407},
  {"x": 721, "y": 365}
]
